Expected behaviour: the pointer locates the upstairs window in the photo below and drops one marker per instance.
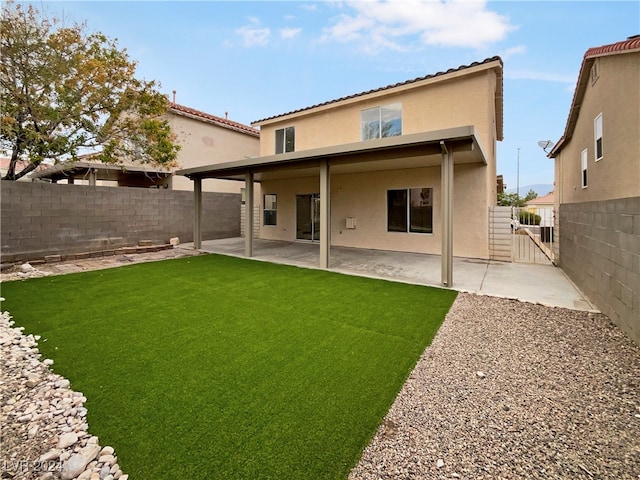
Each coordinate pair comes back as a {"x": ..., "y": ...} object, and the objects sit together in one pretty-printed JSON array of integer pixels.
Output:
[
  {"x": 597, "y": 129},
  {"x": 410, "y": 210},
  {"x": 380, "y": 122},
  {"x": 583, "y": 167},
  {"x": 285, "y": 140}
]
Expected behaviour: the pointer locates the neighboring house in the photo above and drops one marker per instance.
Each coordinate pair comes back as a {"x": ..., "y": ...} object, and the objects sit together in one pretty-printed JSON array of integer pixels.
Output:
[
  {"x": 396, "y": 168},
  {"x": 4, "y": 168},
  {"x": 542, "y": 206},
  {"x": 88, "y": 171},
  {"x": 597, "y": 183},
  {"x": 204, "y": 139}
]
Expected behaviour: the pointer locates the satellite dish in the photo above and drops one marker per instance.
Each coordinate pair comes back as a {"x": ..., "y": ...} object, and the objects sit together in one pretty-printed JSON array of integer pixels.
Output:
[{"x": 544, "y": 144}]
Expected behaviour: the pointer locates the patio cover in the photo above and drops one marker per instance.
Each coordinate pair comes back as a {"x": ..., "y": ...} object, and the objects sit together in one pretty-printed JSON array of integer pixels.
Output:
[
  {"x": 446, "y": 147},
  {"x": 125, "y": 175}
]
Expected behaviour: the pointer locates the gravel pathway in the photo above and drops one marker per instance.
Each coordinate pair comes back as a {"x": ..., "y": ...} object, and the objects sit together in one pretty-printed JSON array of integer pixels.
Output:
[{"x": 511, "y": 390}]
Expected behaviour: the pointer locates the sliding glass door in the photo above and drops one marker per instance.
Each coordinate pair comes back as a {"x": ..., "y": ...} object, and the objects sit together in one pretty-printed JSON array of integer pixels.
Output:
[{"x": 308, "y": 217}]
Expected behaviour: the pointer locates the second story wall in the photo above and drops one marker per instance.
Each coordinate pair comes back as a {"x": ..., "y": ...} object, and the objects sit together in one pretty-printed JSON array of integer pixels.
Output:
[
  {"x": 614, "y": 97},
  {"x": 463, "y": 97},
  {"x": 205, "y": 144}
]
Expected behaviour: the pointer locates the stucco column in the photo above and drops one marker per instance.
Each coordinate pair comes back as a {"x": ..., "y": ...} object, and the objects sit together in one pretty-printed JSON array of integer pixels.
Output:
[
  {"x": 248, "y": 214},
  {"x": 93, "y": 177},
  {"x": 197, "y": 213},
  {"x": 325, "y": 214},
  {"x": 447, "y": 217}
]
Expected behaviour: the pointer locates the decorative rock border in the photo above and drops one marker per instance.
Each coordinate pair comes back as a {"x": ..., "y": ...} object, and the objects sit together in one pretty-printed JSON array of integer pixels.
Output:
[
  {"x": 43, "y": 428},
  {"x": 142, "y": 248}
]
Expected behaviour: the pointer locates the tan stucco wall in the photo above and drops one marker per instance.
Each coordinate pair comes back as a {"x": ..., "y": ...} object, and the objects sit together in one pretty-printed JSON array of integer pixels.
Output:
[
  {"x": 205, "y": 144},
  {"x": 616, "y": 95},
  {"x": 465, "y": 97},
  {"x": 429, "y": 105},
  {"x": 364, "y": 196}
]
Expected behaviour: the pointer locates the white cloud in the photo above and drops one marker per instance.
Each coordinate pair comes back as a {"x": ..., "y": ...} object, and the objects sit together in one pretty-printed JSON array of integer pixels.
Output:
[
  {"x": 542, "y": 76},
  {"x": 350, "y": 28},
  {"x": 287, "y": 33},
  {"x": 511, "y": 51},
  {"x": 401, "y": 23},
  {"x": 254, "y": 35}
]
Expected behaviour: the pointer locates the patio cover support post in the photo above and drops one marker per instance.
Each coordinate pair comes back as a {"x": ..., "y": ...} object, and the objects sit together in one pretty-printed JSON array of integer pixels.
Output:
[
  {"x": 93, "y": 177},
  {"x": 325, "y": 215},
  {"x": 248, "y": 214},
  {"x": 447, "y": 217},
  {"x": 197, "y": 213}
]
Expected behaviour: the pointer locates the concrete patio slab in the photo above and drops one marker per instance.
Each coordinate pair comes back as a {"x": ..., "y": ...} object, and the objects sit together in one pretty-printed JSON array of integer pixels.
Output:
[{"x": 543, "y": 284}]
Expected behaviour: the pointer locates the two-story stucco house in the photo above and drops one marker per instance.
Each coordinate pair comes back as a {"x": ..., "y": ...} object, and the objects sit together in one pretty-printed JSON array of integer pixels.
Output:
[
  {"x": 597, "y": 183},
  {"x": 407, "y": 167},
  {"x": 205, "y": 139}
]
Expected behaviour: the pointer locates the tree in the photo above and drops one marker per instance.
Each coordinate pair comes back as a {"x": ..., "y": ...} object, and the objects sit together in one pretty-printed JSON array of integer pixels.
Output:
[
  {"x": 65, "y": 91},
  {"x": 514, "y": 200}
]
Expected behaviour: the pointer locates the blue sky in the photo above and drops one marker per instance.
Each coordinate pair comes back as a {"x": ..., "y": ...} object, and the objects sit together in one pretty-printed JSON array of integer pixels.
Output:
[{"x": 256, "y": 59}]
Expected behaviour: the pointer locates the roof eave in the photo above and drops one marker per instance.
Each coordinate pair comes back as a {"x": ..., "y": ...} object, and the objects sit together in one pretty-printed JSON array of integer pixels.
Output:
[
  {"x": 203, "y": 117},
  {"x": 458, "y": 135},
  {"x": 631, "y": 45}
]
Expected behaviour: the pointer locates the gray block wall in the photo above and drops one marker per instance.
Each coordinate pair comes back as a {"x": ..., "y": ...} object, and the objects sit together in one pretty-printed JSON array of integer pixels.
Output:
[
  {"x": 600, "y": 252},
  {"x": 41, "y": 219}
]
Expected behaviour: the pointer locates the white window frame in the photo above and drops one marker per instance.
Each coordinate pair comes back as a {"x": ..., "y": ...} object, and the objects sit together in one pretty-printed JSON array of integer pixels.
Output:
[
  {"x": 598, "y": 135},
  {"x": 266, "y": 210},
  {"x": 380, "y": 112},
  {"x": 284, "y": 133},
  {"x": 584, "y": 178}
]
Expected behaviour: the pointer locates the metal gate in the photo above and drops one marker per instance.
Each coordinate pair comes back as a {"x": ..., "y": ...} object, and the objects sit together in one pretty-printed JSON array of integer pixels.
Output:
[
  {"x": 532, "y": 232},
  {"x": 521, "y": 235}
]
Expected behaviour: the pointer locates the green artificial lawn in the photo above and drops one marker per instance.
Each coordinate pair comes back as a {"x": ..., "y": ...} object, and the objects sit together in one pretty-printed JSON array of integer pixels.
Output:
[{"x": 219, "y": 367}]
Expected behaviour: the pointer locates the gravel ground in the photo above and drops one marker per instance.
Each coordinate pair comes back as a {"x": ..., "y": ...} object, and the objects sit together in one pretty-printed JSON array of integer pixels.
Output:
[
  {"x": 511, "y": 390},
  {"x": 43, "y": 430}
]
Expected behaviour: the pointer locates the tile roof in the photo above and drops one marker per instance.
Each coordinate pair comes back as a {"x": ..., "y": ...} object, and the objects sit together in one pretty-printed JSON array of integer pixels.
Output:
[
  {"x": 630, "y": 45},
  {"x": 388, "y": 87},
  {"x": 545, "y": 199},
  {"x": 207, "y": 117}
]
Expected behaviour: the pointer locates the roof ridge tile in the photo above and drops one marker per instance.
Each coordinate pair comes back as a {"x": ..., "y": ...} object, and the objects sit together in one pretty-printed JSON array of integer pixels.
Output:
[
  {"x": 387, "y": 87},
  {"x": 225, "y": 122}
]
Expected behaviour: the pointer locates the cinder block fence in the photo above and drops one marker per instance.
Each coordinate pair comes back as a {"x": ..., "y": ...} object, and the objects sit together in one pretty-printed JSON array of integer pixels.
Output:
[
  {"x": 40, "y": 219},
  {"x": 600, "y": 252}
]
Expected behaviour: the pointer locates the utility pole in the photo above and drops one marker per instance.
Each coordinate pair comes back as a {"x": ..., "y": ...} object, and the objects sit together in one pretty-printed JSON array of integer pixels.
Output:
[{"x": 518, "y": 179}]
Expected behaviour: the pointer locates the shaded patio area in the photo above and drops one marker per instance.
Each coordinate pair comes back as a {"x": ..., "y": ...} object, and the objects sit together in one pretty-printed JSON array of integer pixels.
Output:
[{"x": 543, "y": 284}]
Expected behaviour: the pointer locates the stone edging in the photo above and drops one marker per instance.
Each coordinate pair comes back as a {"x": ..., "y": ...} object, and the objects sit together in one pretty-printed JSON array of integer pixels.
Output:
[
  {"x": 43, "y": 427},
  {"x": 93, "y": 254}
]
